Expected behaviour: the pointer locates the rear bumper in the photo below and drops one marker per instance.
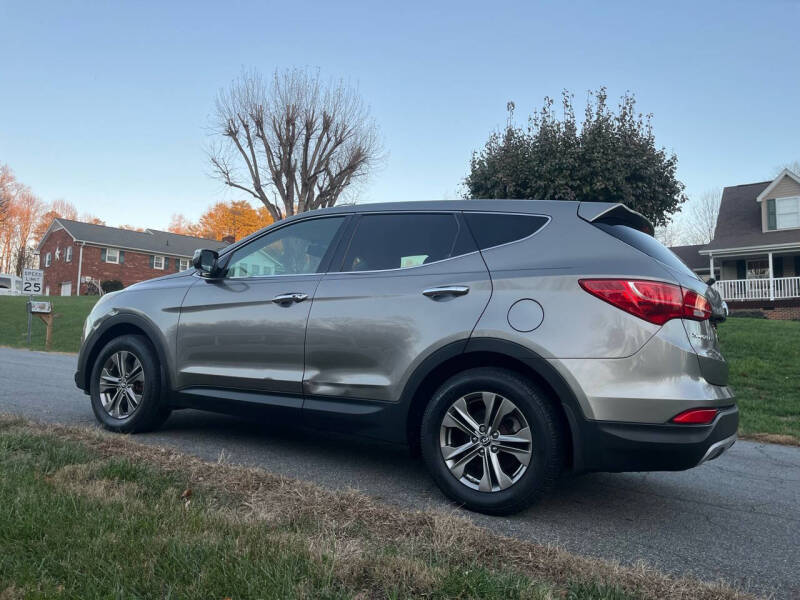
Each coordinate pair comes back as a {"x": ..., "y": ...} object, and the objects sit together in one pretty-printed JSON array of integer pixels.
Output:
[{"x": 618, "y": 447}]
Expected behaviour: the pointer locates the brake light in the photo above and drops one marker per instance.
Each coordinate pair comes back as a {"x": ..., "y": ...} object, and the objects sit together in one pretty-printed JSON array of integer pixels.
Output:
[
  {"x": 696, "y": 416},
  {"x": 695, "y": 306},
  {"x": 654, "y": 301}
]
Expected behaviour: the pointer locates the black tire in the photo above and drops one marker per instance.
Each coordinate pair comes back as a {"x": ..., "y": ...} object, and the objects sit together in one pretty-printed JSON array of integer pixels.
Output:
[
  {"x": 152, "y": 410},
  {"x": 547, "y": 444}
]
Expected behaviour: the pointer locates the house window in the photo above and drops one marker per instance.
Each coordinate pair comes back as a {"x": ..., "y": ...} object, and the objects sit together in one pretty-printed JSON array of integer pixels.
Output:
[
  {"x": 787, "y": 212},
  {"x": 112, "y": 255},
  {"x": 158, "y": 263},
  {"x": 183, "y": 264},
  {"x": 48, "y": 259},
  {"x": 68, "y": 254},
  {"x": 757, "y": 269}
]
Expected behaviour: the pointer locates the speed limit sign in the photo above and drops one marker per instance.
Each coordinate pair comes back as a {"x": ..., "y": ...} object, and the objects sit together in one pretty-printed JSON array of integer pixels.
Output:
[{"x": 32, "y": 281}]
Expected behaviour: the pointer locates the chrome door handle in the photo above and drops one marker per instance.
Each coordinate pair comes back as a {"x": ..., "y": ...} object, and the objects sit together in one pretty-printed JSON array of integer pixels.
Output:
[
  {"x": 445, "y": 290},
  {"x": 289, "y": 298}
]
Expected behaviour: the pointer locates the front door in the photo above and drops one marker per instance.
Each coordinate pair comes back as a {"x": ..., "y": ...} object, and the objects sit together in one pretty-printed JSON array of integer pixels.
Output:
[
  {"x": 246, "y": 331},
  {"x": 407, "y": 285},
  {"x": 66, "y": 288}
]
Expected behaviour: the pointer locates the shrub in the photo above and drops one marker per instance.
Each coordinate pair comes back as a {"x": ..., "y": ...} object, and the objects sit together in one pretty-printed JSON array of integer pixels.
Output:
[{"x": 111, "y": 285}]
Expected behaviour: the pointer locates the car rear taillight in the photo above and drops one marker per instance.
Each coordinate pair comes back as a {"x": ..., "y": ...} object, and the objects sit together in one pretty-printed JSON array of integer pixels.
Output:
[
  {"x": 653, "y": 301},
  {"x": 695, "y": 306},
  {"x": 696, "y": 416}
]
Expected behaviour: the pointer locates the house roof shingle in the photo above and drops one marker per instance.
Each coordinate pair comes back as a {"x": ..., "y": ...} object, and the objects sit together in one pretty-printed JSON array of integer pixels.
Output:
[
  {"x": 149, "y": 240},
  {"x": 739, "y": 220},
  {"x": 691, "y": 256}
]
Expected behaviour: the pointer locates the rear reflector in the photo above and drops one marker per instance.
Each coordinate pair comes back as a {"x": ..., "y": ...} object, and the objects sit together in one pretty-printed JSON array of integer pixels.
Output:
[
  {"x": 653, "y": 301},
  {"x": 696, "y": 416}
]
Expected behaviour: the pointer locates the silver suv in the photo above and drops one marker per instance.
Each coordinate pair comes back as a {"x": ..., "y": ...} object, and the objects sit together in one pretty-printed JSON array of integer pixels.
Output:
[{"x": 508, "y": 341}]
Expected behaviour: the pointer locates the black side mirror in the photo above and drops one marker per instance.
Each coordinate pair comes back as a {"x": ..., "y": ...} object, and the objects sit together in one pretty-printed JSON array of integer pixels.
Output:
[
  {"x": 711, "y": 281},
  {"x": 205, "y": 261}
]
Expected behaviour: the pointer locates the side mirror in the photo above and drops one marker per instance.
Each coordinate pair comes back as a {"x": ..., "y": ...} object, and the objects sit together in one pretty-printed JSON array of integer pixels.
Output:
[
  {"x": 205, "y": 261},
  {"x": 711, "y": 281}
]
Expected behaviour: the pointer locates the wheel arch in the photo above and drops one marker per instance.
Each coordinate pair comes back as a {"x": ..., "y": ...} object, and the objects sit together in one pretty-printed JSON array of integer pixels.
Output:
[
  {"x": 482, "y": 352},
  {"x": 114, "y": 327}
]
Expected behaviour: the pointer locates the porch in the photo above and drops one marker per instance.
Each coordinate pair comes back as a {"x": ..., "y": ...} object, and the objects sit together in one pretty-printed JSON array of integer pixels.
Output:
[
  {"x": 766, "y": 276},
  {"x": 776, "y": 288}
]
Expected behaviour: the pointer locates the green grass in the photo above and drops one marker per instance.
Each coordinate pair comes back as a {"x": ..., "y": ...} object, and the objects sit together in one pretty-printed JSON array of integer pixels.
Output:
[
  {"x": 88, "y": 515},
  {"x": 71, "y": 312},
  {"x": 764, "y": 359}
]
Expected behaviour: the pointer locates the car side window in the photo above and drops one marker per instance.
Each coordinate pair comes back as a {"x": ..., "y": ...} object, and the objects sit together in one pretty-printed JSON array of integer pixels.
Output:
[
  {"x": 495, "y": 229},
  {"x": 398, "y": 241},
  {"x": 295, "y": 249}
]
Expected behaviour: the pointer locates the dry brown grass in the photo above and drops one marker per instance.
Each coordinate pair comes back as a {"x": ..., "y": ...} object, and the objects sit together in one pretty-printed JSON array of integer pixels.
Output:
[{"x": 351, "y": 526}]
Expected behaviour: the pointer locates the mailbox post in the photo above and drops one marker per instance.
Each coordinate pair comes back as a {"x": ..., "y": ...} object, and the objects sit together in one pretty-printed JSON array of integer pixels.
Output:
[{"x": 43, "y": 310}]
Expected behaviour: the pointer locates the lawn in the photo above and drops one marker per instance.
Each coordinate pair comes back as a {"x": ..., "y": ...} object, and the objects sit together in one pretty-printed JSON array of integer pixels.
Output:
[
  {"x": 85, "y": 514},
  {"x": 70, "y": 314},
  {"x": 764, "y": 358}
]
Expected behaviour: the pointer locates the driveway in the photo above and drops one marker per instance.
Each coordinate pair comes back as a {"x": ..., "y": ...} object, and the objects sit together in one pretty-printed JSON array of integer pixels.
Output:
[{"x": 736, "y": 518}]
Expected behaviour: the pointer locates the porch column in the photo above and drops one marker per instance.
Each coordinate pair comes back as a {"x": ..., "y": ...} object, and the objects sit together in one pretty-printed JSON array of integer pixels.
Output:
[
  {"x": 711, "y": 265},
  {"x": 771, "y": 279}
]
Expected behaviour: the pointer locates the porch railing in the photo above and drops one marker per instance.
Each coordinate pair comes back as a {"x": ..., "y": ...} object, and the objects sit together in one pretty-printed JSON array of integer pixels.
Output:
[{"x": 759, "y": 289}]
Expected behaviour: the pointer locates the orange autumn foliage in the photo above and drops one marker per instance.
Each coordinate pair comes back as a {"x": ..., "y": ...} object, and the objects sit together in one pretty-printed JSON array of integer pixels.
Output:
[{"x": 236, "y": 218}]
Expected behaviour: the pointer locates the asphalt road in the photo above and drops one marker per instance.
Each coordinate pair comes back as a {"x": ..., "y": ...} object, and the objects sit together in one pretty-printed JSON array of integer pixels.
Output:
[{"x": 736, "y": 518}]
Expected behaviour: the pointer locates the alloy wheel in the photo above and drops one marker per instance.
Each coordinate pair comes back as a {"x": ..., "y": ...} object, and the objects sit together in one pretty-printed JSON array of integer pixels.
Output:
[
  {"x": 485, "y": 441},
  {"x": 121, "y": 384}
]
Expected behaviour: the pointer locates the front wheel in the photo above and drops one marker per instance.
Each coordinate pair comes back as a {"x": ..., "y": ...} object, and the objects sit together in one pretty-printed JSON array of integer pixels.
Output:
[
  {"x": 492, "y": 440},
  {"x": 125, "y": 386}
]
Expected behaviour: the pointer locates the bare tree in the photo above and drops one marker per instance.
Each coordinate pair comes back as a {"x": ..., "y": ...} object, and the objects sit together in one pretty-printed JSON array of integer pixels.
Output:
[
  {"x": 699, "y": 216},
  {"x": 293, "y": 142},
  {"x": 793, "y": 166},
  {"x": 669, "y": 234}
]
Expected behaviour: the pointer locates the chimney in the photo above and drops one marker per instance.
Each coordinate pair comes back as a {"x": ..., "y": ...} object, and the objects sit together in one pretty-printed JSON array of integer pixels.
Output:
[{"x": 228, "y": 239}]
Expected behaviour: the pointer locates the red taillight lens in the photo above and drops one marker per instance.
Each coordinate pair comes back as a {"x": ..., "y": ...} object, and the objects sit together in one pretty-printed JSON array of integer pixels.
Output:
[
  {"x": 696, "y": 416},
  {"x": 695, "y": 306},
  {"x": 653, "y": 301}
]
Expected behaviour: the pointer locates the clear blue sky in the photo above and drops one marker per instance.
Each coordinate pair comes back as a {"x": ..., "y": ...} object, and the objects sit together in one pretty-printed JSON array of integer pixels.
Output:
[{"x": 106, "y": 104}]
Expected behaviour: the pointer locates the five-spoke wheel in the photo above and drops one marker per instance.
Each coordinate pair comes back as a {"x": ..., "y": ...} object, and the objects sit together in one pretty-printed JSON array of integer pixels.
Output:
[
  {"x": 485, "y": 441},
  {"x": 125, "y": 386},
  {"x": 492, "y": 439},
  {"x": 121, "y": 384}
]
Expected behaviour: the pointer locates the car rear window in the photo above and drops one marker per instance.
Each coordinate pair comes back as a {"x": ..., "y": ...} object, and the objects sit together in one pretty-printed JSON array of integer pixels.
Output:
[
  {"x": 494, "y": 229},
  {"x": 645, "y": 243}
]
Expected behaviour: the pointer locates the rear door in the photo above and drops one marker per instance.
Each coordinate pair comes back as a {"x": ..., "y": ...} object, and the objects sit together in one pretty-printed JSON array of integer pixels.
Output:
[
  {"x": 405, "y": 285},
  {"x": 246, "y": 331}
]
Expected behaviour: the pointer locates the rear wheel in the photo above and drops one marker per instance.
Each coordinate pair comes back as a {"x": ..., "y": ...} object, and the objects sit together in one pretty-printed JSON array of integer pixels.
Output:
[
  {"x": 492, "y": 440},
  {"x": 125, "y": 386}
]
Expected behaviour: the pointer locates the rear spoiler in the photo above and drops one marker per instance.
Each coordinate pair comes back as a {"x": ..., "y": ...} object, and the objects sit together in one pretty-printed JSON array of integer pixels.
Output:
[{"x": 600, "y": 212}]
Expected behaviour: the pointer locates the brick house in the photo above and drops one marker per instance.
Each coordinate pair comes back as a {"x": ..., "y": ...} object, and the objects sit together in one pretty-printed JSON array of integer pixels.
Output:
[
  {"x": 755, "y": 253},
  {"x": 77, "y": 256}
]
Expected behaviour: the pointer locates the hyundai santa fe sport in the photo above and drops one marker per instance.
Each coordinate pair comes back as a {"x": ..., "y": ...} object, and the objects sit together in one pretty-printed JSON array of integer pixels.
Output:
[{"x": 507, "y": 341}]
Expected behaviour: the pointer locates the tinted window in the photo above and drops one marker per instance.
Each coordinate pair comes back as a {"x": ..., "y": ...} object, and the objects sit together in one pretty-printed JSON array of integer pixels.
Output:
[
  {"x": 292, "y": 250},
  {"x": 399, "y": 241},
  {"x": 5, "y": 283},
  {"x": 495, "y": 229},
  {"x": 645, "y": 243}
]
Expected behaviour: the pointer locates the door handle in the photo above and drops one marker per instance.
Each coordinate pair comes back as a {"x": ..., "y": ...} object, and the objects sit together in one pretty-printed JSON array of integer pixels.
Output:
[
  {"x": 445, "y": 290},
  {"x": 289, "y": 298}
]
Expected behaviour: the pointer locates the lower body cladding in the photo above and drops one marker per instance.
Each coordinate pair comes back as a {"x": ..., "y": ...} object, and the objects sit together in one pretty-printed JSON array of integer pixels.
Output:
[{"x": 618, "y": 447}]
